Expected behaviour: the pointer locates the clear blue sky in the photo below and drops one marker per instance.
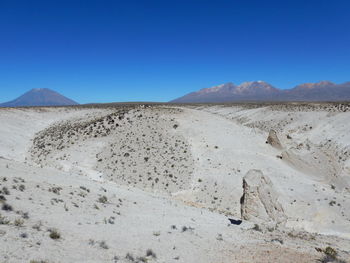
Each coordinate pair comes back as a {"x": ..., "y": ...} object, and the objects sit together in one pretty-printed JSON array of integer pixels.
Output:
[{"x": 103, "y": 51}]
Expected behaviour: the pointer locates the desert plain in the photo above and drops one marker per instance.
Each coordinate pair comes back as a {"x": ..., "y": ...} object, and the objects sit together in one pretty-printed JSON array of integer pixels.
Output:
[{"x": 209, "y": 183}]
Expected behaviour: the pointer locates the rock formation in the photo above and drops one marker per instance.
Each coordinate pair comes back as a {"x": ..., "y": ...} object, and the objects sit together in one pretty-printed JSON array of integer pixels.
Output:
[
  {"x": 259, "y": 202},
  {"x": 273, "y": 140}
]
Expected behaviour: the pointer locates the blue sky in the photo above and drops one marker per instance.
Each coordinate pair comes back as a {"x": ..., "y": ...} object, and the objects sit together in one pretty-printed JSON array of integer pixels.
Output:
[{"x": 104, "y": 51}]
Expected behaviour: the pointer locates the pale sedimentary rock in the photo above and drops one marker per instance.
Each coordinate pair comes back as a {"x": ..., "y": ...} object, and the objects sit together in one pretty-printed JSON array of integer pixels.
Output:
[
  {"x": 273, "y": 140},
  {"x": 259, "y": 202}
]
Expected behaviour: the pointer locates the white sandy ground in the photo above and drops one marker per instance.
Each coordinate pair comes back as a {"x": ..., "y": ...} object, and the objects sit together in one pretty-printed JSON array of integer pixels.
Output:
[
  {"x": 18, "y": 127},
  {"x": 177, "y": 202},
  {"x": 305, "y": 197}
]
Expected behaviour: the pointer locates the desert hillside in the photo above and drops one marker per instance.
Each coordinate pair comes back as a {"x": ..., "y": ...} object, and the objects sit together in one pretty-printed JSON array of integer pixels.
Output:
[{"x": 176, "y": 183}]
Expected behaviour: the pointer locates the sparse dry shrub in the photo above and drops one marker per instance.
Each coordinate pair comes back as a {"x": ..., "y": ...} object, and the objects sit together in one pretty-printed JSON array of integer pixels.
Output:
[
  {"x": 104, "y": 245},
  {"x": 54, "y": 234},
  {"x": 37, "y": 226},
  {"x": 5, "y": 191},
  {"x": 6, "y": 207},
  {"x": 150, "y": 253},
  {"x": 102, "y": 199},
  {"x": 18, "y": 222},
  {"x": 4, "y": 220},
  {"x": 22, "y": 187},
  {"x": 55, "y": 190}
]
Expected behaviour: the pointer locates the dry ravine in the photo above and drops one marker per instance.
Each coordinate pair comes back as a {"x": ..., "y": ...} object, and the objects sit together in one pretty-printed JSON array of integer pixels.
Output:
[{"x": 175, "y": 183}]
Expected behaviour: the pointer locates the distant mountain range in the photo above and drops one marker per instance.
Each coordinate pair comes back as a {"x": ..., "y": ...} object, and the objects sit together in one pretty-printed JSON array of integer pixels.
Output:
[
  {"x": 229, "y": 92},
  {"x": 40, "y": 97},
  {"x": 263, "y": 91}
]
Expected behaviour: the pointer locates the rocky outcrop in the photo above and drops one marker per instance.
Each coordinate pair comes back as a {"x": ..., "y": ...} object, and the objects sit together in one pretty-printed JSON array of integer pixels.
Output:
[
  {"x": 312, "y": 160},
  {"x": 259, "y": 202},
  {"x": 273, "y": 140}
]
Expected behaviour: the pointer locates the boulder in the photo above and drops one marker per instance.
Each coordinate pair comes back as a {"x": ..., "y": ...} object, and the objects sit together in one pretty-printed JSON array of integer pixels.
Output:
[
  {"x": 259, "y": 202},
  {"x": 273, "y": 140}
]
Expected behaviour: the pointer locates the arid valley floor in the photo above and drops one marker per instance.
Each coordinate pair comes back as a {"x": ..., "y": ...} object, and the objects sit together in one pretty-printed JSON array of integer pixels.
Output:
[{"x": 163, "y": 183}]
